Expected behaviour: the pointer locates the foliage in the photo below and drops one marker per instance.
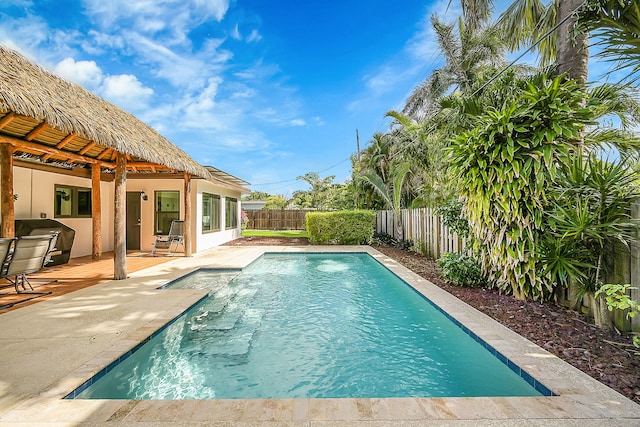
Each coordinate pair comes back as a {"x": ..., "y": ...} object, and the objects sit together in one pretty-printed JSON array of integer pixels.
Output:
[
  {"x": 275, "y": 203},
  {"x": 617, "y": 297},
  {"x": 341, "y": 228},
  {"x": 256, "y": 195},
  {"x": 615, "y": 24},
  {"x": 320, "y": 192},
  {"x": 462, "y": 270},
  {"x": 504, "y": 168},
  {"x": 588, "y": 219},
  {"x": 452, "y": 217},
  {"x": 244, "y": 219}
]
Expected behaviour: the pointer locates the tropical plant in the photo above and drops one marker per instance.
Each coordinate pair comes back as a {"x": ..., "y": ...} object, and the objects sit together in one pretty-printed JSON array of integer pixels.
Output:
[
  {"x": 391, "y": 194},
  {"x": 615, "y": 24},
  {"x": 462, "y": 270},
  {"x": 319, "y": 195},
  {"x": 276, "y": 202},
  {"x": 504, "y": 169},
  {"x": 467, "y": 49},
  {"x": 588, "y": 221},
  {"x": 616, "y": 297},
  {"x": 453, "y": 218}
]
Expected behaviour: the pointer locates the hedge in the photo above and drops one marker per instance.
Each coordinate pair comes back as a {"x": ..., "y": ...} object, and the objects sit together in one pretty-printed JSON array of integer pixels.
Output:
[{"x": 341, "y": 228}]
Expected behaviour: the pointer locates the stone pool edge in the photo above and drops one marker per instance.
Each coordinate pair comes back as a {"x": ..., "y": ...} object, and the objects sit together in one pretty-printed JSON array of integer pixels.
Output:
[{"x": 579, "y": 396}]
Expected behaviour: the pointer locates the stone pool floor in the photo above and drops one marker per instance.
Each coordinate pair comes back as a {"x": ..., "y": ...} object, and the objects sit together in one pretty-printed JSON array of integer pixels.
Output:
[{"x": 52, "y": 347}]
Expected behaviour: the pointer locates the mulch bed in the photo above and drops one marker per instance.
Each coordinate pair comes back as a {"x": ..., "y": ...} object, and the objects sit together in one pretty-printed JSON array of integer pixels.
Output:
[{"x": 606, "y": 356}]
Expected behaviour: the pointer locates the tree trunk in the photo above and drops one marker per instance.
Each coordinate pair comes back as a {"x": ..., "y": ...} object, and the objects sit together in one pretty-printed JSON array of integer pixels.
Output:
[
  {"x": 600, "y": 312},
  {"x": 572, "y": 54},
  {"x": 574, "y": 300}
]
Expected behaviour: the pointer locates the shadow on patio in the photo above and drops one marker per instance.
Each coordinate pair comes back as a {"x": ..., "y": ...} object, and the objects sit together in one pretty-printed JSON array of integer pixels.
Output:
[{"x": 78, "y": 273}]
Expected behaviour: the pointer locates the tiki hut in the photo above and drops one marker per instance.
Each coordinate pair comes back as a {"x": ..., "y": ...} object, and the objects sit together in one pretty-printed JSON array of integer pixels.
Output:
[{"x": 46, "y": 121}]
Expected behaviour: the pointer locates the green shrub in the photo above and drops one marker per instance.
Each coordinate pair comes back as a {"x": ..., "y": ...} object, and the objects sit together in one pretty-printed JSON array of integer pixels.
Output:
[
  {"x": 451, "y": 213},
  {"x": 340, "y": 228},
  {"x": 462, "y": 270}
]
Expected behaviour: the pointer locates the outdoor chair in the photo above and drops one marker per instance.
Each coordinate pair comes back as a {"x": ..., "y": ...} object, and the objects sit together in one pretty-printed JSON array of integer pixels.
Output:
[
  {"x": 6, "y": 245},
  {"x": 175, "y": 237},
  {"x": 29, "y": 255}
]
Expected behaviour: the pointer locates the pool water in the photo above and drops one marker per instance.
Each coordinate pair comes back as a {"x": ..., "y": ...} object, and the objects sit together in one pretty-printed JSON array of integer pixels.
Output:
[{"x": 308, "y": 326}]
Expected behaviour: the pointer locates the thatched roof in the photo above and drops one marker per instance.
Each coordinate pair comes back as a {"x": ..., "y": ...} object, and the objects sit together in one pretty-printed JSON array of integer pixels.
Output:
[{"x": 53, "y": 121}]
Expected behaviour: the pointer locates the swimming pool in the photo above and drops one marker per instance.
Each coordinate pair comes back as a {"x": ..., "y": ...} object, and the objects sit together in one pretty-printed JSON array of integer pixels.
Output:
[{"x": 309, "y": 325}]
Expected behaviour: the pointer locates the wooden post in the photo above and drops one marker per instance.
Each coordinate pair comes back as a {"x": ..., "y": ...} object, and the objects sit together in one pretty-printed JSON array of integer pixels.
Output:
[
  {"x": 7, "y": 207},
  {"x": 119, "y": 219},
  {"x": 96, "y": 213},
  {"x": 187, "y": 214}
]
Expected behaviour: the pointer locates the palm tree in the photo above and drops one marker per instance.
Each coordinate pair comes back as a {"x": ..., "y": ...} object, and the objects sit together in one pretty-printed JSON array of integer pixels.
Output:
[
  {"x": 467, "y": 51},
  {"x": 616, "y": 26},
  {"x": 391, "y": 194}
]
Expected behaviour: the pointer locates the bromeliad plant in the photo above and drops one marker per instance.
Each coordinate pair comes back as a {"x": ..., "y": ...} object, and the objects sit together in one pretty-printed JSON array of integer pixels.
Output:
[{"x": 504, "y": 169}]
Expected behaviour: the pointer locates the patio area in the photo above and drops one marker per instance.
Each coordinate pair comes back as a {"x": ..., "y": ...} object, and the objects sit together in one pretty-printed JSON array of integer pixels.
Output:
[
  {"x": 54, "y": 345},
  {"x": 78, "y": 273}
]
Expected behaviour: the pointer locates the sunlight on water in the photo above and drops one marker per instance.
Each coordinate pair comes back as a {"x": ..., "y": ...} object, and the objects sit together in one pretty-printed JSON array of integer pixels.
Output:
[{"x": 304, "y": 326}]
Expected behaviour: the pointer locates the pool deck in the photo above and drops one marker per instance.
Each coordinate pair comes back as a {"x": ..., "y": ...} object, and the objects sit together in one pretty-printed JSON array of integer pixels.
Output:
[{"x": 52, "y": 347}]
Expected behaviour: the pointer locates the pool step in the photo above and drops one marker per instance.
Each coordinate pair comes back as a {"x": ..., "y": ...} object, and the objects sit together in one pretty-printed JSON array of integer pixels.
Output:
[
  {"x": 237, "y": 342},
  {"x": 232, "y": 312}
]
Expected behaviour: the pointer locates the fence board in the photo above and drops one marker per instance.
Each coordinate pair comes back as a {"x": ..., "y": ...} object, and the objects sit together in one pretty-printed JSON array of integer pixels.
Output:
[
  {"x": 283, "y": 219},
  {"x": 422, "y": 226}
]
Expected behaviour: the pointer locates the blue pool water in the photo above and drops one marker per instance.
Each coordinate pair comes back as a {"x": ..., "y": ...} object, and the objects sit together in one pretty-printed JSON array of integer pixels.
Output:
[{"x": 308, "y": 326}]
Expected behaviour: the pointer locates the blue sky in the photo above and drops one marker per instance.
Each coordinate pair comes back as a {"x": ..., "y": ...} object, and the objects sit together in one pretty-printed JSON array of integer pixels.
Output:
[{"x": 264, "y": 90}]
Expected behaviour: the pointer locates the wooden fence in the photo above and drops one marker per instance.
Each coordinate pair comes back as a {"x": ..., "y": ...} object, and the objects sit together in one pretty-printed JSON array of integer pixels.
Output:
[
  {"x": 433, "y": 239},
  {"x": 268, "y": 219},
  {"x": 422, "y": 226}
]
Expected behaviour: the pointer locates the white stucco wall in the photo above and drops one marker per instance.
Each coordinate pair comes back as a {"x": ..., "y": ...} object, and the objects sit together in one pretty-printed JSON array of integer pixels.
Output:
[
  {"x": 36, "y": 192},
  {"x": 204, "y": 241}
]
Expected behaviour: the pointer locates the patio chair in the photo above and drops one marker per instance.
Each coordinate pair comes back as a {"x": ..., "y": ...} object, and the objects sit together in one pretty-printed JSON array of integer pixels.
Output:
[
  {"x": 29, "y": 255},
  {"x": 5, "y": 251},
  {"x": 175, "y": 237}
]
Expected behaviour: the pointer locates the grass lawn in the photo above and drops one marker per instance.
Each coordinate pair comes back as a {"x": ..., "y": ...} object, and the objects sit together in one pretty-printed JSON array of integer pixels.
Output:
[{"x": 275, "y": 233}]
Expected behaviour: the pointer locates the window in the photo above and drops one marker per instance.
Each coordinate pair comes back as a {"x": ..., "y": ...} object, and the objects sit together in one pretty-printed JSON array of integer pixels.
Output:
[
  {"x": 72, "y": 202},
  {"x": 167, "y": 205},
  {"x": 210, "y": 212},
  {"x": 231, "y": 211}
]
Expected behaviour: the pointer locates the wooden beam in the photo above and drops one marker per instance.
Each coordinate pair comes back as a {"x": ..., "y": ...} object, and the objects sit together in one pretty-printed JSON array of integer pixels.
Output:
[
  {"x": 187, "y": 214},
  {"x": 37, "y": 131},
  {"x": 7, "y": 119},
  {"x": 96, "y": 213},
  {"x": 104, "y": 153},
  {"x": 120, "y": 219},
  {"x": 88, "y": 147},
  {"x": 7, "y": 208},
  {"x": 67, "y": 139},
  {"x": 40, "y": 148}
]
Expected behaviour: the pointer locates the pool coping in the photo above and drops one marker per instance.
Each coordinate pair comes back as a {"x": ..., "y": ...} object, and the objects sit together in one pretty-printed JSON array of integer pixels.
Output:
[{"x": 580, "y": 398}]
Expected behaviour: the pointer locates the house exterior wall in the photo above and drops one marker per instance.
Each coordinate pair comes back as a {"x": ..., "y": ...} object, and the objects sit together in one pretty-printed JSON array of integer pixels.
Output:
[
  {"x": 36, "y": 193},
  {"x": 204, "y": 241}
]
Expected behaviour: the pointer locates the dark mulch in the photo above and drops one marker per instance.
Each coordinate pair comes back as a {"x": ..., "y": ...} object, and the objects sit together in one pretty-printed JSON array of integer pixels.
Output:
[{"x": 605, "y": 356}]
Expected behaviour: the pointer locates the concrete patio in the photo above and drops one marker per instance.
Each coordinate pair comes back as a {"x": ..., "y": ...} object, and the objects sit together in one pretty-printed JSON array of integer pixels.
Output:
[{"x": 53, "y": 346}]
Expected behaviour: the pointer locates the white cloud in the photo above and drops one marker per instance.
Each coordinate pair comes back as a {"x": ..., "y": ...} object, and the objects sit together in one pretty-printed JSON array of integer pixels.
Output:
[
  {"x": 254, "y": 36},
  {"x": 176, "y": 17},
  {"x": 298, "y": 122},
  {"x": 126, "y": 91},
  {"x": 235, "y": 33},
  {"x": 84, "y": 73}
]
